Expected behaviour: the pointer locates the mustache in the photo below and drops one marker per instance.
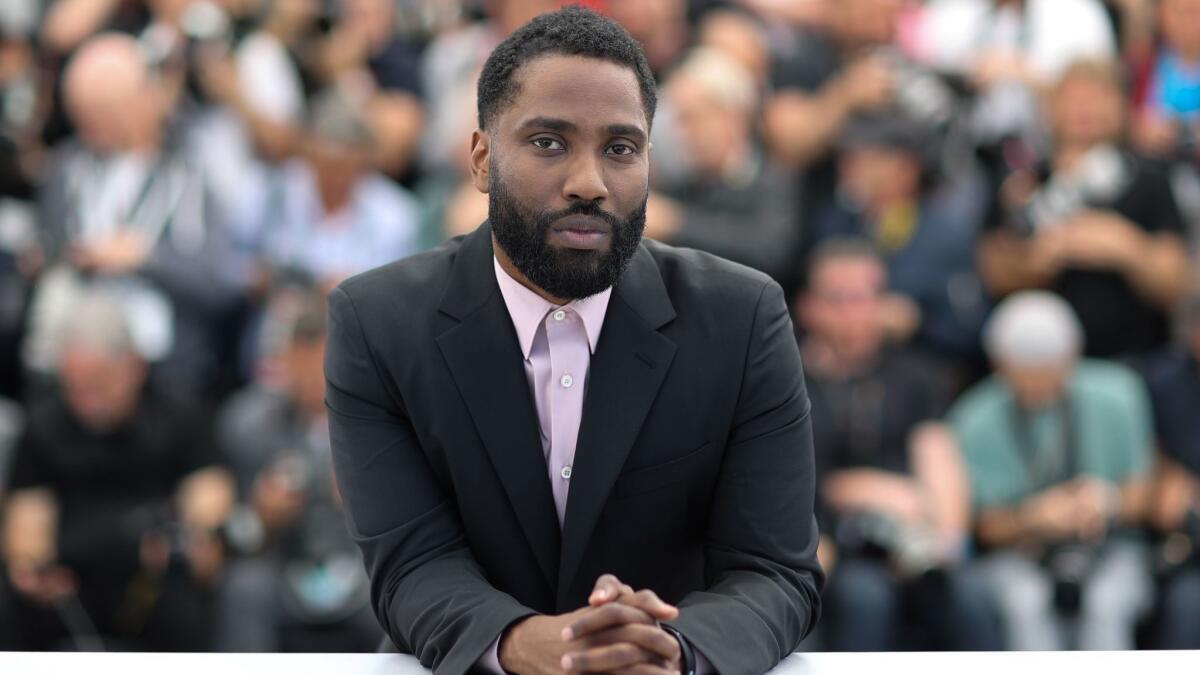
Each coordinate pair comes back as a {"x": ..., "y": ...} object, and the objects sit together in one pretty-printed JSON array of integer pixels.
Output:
[{"x": 590, "y": 209}]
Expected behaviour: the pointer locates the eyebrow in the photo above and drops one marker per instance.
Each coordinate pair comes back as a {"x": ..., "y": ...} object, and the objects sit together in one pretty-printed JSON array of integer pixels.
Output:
[{"x": 561, "y": 125}]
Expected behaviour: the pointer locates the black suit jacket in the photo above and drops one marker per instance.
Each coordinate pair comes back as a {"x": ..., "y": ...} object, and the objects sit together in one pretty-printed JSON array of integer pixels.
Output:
[{"x": 693, "y": 473}]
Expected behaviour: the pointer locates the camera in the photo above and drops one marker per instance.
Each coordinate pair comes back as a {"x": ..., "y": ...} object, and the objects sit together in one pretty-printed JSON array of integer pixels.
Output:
[
  {"x": 1070, "y": 565},
  {"x": 911, "y": 551},
  {"x": 1104, "y": 172}
]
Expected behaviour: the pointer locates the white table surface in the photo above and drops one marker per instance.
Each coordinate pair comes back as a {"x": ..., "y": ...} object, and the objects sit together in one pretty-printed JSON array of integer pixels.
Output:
[{"x": 1006, "y": 663}]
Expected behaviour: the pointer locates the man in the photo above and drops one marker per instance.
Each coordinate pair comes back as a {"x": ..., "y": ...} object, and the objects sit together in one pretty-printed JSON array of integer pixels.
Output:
[
  {"x": 471, "y": 389},
  {"x": 333, "y": 215},
  {"x": 891, "y": 483},
  {"x": 1095, "y": 224},
  {"x": 127, "y": 207},
  {"x": 730, "y": 200},
  {"x": 923, "y": 226},
  {"x": 297, "y": 583},
  {"x": 1058, "y": 450},
  {"x": 115, "y": 497}
]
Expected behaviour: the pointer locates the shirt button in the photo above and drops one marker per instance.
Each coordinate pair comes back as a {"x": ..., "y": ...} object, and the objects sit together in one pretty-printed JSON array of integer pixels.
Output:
[
  {"x": 560, "y": 315},
  {"x": 565, "y": 473},
  {"x": 567, "y": 381}
]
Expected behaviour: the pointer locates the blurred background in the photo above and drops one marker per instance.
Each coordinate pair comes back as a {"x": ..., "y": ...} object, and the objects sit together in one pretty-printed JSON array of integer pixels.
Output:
[{"x": 986, "y": 214}]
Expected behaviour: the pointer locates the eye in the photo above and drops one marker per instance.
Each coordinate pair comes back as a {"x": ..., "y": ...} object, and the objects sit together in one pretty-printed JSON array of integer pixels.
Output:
[
  {"x": 622, "y": 149},
  {"x": 547, "y": 144}
]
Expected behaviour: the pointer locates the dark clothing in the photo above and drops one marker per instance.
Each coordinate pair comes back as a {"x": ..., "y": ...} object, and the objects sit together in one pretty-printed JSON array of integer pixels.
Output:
[
  {"x": 308, "y": 575},
  {"x": 1174, "y": 382},
  {"x": 813, "y": 60},
  {"x": 693, "y": 472},
  {"x": 112, "y": 489},
  {"x": 1116, "y": 320},
  {"x": 750, "y": 219},
  {"x": 864, "y": 422}
]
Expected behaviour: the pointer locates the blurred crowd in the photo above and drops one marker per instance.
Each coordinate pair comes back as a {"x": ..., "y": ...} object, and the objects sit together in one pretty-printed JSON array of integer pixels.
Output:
[{"x": 986, "y": 212}]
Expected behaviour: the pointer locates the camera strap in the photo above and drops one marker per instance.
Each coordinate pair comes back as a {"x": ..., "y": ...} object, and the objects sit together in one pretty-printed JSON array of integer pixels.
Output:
[{"x": 1047, "y": 465}]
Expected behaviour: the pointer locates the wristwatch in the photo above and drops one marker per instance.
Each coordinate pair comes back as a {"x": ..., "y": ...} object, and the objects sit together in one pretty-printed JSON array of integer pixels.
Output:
[{"x": 687, "y": 654}]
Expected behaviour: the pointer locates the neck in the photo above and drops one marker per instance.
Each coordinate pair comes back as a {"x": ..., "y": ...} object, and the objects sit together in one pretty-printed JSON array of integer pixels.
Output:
[
  {"x": 333, "y": 200},
  {"x": 509, "y": 268}
]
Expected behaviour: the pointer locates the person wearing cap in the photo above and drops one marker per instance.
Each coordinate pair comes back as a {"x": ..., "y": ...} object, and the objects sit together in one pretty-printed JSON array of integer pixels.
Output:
[
  {"x": 923, "y": 228},
  {"x": 1058, "y": 452},
  {"x": 1174, "y": 381}
]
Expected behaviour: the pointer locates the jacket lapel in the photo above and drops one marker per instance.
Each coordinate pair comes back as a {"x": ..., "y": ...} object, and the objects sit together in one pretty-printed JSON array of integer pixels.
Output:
[
  {"x": 631, "y": 361},
  {"x": 484, "y": 359}
]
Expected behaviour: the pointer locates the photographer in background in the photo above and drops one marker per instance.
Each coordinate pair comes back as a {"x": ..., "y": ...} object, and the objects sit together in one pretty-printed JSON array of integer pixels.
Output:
[
  {"x": 924, "y": 226},
  {"x": 114, "y": 499},
  {"x": 1094, "y": 224},
  {"x": 891, "y": 485},
  {"x": 297, "y": 582},
  {"x": 1058, "y": 451},
  {"x": 1174, "y": 380},
  {"x": 731, "y": 200}
]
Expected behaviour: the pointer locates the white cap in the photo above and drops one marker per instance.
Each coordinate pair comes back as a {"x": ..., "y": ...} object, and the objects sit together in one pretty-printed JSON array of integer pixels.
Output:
[{"x": 1033, "y": 329}]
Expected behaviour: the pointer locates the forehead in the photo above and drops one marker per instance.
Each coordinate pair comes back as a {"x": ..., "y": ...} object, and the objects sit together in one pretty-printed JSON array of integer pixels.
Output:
[
  {"x": 586, "y": 91},
  {"x": 847, "y": 271}
]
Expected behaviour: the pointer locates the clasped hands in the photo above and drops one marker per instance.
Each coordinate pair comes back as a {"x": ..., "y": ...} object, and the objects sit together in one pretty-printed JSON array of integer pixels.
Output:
[{"x": 617, "y": 632}]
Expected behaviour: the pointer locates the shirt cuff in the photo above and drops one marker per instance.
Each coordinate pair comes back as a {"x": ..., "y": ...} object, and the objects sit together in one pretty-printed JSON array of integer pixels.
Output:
[{"x": 490, "y": 661}]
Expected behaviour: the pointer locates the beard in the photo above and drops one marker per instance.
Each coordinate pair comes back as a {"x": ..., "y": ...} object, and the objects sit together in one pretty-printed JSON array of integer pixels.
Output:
[{"x": 565, "y": 273}]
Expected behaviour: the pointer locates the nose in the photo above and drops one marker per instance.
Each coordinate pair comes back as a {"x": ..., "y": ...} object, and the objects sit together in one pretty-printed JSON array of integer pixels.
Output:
[{"x": 585, "y": 180}]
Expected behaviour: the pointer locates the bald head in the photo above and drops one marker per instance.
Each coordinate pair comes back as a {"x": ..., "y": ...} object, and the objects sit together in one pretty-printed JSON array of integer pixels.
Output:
[{"x": 106, "y": 87}]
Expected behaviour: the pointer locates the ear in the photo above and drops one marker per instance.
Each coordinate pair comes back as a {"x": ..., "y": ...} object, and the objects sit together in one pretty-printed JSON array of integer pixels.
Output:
[{"x": 480, "y": 153}]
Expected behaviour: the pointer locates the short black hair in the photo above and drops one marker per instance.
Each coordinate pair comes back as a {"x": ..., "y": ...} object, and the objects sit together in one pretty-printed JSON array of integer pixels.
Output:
[{"x": 571, "y": 31}]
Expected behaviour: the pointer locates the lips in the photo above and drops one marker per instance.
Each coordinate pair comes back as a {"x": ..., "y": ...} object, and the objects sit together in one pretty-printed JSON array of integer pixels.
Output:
[
  {"x": 581, "y": 232},
  {"x": 582, "y": 224}
]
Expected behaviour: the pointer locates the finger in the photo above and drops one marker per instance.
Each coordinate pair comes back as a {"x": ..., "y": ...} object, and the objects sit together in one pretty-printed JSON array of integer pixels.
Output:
[
  {"x": 645, "y": 669},
  {"x": 651, "y": 638},
  {"x": 649, "y": 602},
  {"x": 608, "y": 588},
  {"x": 607, "y": 616},
  {"x": 607, "y": 658}
]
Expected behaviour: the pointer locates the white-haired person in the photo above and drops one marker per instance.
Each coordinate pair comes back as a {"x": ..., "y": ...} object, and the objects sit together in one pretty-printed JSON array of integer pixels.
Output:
[{"x": 1058, "y": 450}]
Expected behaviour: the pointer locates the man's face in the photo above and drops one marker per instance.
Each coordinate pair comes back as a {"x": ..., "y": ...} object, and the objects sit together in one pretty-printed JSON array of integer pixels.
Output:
[
  {"x": 875, "y": 175},
  {"x": 101, "y": 388},
  {"x": 306, "y": 381},
  {"x": 1087, "y": 112},
  {"x": 566, "y": 169},
  {"x": 709, "y": 130},
  {"x": 841, "y": 308},
  {"x": 1036, "y": 388}
]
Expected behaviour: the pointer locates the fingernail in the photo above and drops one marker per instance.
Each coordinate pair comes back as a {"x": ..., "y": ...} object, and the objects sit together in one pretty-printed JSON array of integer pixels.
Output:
[
  {"x": 566, "y": 663},
  {"x": 602, "y": 594},
  {"x": 568, "y": 634}
]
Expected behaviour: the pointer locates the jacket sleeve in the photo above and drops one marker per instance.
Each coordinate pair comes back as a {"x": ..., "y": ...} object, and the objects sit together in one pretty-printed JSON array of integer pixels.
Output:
[
  {"x": 762, "y": 576},
  {"x": 427, "y": 590}
]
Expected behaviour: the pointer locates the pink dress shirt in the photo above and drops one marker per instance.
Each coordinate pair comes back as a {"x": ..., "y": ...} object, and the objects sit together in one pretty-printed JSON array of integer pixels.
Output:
[{"x": 557, "y": 343}]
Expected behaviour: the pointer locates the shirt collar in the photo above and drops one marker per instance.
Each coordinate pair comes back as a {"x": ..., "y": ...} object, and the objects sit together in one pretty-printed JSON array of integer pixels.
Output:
[{"x": 528, "y": 309}]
